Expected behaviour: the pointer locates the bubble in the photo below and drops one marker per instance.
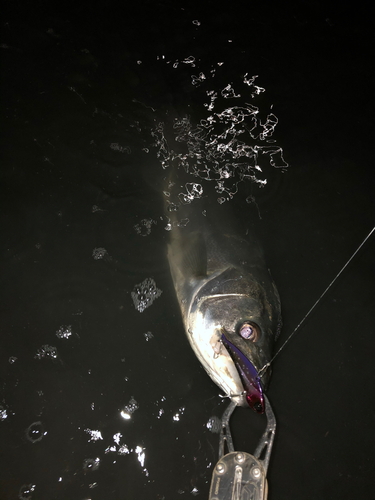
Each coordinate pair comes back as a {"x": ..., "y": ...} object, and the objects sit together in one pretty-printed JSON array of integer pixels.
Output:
[
  {"x": 233, "y": 132},
  {"x": 95, "y": 208},
  {"x": 121, "y": 149},
  {"x": 144, "y": 294},
  {"x": 148, "y": 336},
  {"x": 140, "y": 455},
  {"x": 46, "y": 351},
  {"x": 3, "y": 413},
  {"x": 144, "y": 227},
  {"x": 129, "y": 409},
  {"x": 172, "y": 207},
  {"x": 197, "y": 80},
  {"x": 26, "y": 491},
  {"x": 123, "y": 450},
  {"x": 117, "y": 437},
  {"x": 228, "y": 92},
  {"x": 91, "y": 464},
  {"x": 191, "y": 59},
  {"x": 12, "y": 359},
  {"x": 64, "y": 332},
  {"x": 180, "y": 412},
  {"x": 214, "y": 425},
  {"x": 99, "y": 253},
  {"x": 194, "y": 190},
  {"x": 95, "y": 435},
  {"x": 35, "y": 432}
]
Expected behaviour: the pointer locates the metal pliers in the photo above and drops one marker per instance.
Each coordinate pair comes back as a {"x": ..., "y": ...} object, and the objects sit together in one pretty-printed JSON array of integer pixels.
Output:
[{"x": 239, "y": 475}]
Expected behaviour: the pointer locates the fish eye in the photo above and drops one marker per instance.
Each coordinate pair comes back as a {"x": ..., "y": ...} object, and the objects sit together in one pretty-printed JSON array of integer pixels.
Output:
[{"x": 249, "y": 331}]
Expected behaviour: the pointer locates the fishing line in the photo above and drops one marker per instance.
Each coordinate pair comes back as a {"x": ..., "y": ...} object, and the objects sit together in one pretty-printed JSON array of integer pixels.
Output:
[{"x": 267, "y": 365}]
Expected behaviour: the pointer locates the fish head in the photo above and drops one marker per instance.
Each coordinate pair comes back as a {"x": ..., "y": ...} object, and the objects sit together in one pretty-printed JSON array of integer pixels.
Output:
[
  {"x": 242, "y": 326},
  {"x": 250, "y": 379}
]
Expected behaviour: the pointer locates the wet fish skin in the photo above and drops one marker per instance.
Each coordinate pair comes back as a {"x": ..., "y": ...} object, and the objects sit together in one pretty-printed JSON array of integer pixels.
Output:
[{"x": 222, "y": 281}]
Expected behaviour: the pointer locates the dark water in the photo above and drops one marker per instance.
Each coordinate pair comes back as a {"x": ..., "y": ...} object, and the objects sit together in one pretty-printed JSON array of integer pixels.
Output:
[{"x": 82, "y": 87}]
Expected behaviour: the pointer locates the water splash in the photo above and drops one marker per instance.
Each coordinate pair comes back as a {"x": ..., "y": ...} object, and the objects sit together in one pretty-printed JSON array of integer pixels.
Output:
[{"x": 231, "y": 144}]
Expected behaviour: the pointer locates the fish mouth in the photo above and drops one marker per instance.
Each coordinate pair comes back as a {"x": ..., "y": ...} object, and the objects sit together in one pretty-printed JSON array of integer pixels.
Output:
[{"x": 249, "y": 376}]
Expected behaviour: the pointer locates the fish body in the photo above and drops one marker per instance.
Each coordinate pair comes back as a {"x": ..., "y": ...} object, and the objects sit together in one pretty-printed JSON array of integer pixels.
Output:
[{"x": 229, "y": 303}]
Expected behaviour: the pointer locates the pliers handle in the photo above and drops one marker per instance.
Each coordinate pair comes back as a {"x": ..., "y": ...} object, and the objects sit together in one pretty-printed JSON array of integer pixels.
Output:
[{"x": 239, "y": 475}]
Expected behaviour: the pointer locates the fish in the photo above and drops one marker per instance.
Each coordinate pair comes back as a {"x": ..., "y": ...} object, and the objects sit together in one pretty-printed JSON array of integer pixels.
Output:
[{"x": 229, "y": 302}]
